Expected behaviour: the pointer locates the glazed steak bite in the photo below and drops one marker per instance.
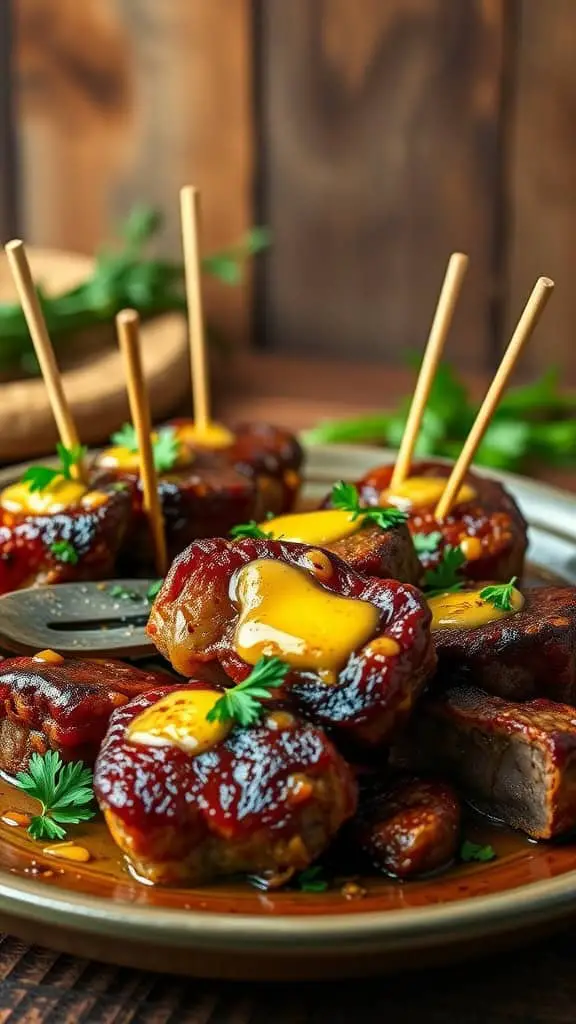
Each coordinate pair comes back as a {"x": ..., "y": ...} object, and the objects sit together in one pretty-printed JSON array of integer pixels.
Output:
[
  {"x": 485, "y": 522},
  {"x": 187, "y": 799},
  {"x": 530, "y": 652},
  {"x": 514, "y": 762},
  {"x": 359, "y": 649},
  {"x": 408, "y": 826},
  {"x": 63, "y": 533},
  {"x": 51, "y": 703}
]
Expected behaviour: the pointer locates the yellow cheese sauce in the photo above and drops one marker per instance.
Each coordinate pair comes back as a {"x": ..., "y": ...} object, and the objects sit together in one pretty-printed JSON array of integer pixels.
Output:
[
  {"x": 466, "y": 609},
  {"x": 124, "y": 459},
  {"x": 179, "y": 720},
  {"x": 421, "y": 491},
  {"x": 214, "y": 435},
  {"x": 323, "y": 527},
  {"x": 59, "y": 495},
  {"x": 285, "y": 611},
  {"x": 52, "y": 657},
  {"x": 68, "y": 851}
]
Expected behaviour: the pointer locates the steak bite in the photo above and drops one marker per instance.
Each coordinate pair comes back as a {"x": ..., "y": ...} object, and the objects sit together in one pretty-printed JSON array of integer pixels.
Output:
[
  {"x": 408, "y": 826},
  {"x": 514, "y": 762},
  {"x": 485, "y": 521},
  {"x": 51, "y": 703},
  {"x": 187, "y": 799},
  {"x": 359, "y": 649},
  {"x": 530, "y": 653}
]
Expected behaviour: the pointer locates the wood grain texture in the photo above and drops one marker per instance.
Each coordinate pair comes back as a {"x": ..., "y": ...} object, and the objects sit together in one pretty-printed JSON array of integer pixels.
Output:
[
  {"x": 542, "y": 180},
  {"x": 380, "y": 125},
  {"x": 126, "y": 100}
]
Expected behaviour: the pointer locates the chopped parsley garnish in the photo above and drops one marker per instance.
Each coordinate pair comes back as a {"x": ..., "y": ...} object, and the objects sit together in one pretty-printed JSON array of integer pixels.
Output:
[
  {"x": 242, "y": 703},
  {"x": 165, "y": 445},
  {"x": 346, "y": 498},
  {"x": 250, "y": 529},
  {"x": 64, "y": 791},
  {"x": 154, "y": 589},
  {"x": 312, "y": 879},
  {"x": 39, "y": 478},
  {"x": 444, "y": 577},
  {"x": 499, "y": 594},
  {"x": 426, "y": 543},
  {"x": 475, "y": 851},
  {"x": 64, "y": 551},
  {"x": 124, "y": 593}
]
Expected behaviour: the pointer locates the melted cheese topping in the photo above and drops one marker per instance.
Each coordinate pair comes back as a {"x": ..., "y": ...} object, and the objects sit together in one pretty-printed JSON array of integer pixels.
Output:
[
  {"x": 179, "y": 720},
  {"x": 124, "y": 459},
  {"x": 68, "y": 851},
  {"x": 466, "y": 609},
  {"x": 286, "y": 612},
  {"x": 52, "y": 657},
  {"x": 420, "y": 491},
  {"x": 214, "y": 435},
  {"x": 322, "y": 527},
  {"x": 58, "y": 496}
]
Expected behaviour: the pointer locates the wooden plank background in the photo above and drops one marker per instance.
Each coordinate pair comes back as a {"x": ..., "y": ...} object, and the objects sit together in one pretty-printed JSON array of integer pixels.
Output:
[{"x": 374, "y": 136}]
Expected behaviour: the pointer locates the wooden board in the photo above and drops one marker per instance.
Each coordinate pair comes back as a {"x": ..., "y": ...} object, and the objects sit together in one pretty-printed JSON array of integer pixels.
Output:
[
  {"x": 380, "y": 125},
  {"x": 127, "y": 100},
  {"x": 542, "y": 177}
]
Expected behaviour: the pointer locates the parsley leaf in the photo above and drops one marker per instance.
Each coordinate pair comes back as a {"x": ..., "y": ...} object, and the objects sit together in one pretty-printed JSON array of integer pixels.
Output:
[
  {"x": 64, "y": 551},
  {"x": 475, "y": 851},
  {"x": 250, "y": 529},
  {"x": 124, "y": 593},
  {"x": 499, "y": 594},
  {"x": 312, "y": 879},
  {"x": 345, "y": 497},
  {"x": 70, "y": 457},
  {"x": 165, "y": 445},
  {"x": 154, "y": 589},
  {"x": 242, "y": 703},
  {"x": 426, "y": 543},
  {"x": 64, "y": 791},
  {"x": 39, "y": 478},
  {"x": 444, "y": 577}
]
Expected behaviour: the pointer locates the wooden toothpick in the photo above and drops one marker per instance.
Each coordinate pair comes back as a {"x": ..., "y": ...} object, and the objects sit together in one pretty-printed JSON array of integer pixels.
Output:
[
  {"x": 532, "y": 312},
  {"x": 190, "y": 216},
  {"x": 128, "y": 327},
  {"x": 448, "y": 297},
  {"x": 20, "y": 268}
]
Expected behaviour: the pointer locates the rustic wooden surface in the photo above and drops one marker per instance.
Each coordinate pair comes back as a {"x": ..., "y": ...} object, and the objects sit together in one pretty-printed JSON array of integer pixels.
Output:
[{"x": 536, "y": 986}]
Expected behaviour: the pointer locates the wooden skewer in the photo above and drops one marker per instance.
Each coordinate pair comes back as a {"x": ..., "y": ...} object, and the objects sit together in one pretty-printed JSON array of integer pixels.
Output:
[
  {"x": 190, "y": 216},
  {"x": 20, "y": 268},
  {"x": 532, "y": 312},
  {"x": 128, "y": 327},
  {"x": 455, "y": 271}
]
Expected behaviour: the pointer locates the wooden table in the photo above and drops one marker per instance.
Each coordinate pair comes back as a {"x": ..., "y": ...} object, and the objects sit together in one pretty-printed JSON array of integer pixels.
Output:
[{"x": 536, "y": 985}]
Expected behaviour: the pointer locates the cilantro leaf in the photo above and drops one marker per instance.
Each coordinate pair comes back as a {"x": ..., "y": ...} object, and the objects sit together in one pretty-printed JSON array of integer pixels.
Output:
[
  {"x": 250, "y": 529},
  {"x": 63, "y": 790},
  {"x": 70, "y": 457},
  {"x": 39, "y": 478},
  {"x": 154, "y": 589},
  {"x": 126, "y": 438},
  {"x": 165, "y": 446},
  {"x": 242, "y": 703},
  {"x": 444, "y": 577},
  {"x": 64, "y": 551},
  {"x": 346, "y": 498},
  {"x": 499, "y": 594},
  {"x": 426, "y": 543},
  {"x": 475, "y": 851},
  {"x": 124, "y": 593},
  {"x": 312, "y": 879}
]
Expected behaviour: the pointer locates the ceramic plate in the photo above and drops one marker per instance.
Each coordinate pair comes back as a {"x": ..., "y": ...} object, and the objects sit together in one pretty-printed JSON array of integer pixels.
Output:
[{"x": 97, "y": 910}]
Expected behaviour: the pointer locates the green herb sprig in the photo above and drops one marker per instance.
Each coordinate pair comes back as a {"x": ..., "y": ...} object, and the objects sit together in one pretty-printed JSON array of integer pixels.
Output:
[
  {"x": 64, "y": 551},
  {"x": 165, "y": 446},
  {"x": 153, "y": 590},
  {"x": 250, "y": 529},
  {"x": 444, "y": 578},
  {"x": 39, "y": 478},
  {"x": 345, "y": 496},
  {"x": 470, "y": 851},
  {"x": 499, "y": 594},
  {"x": 242, "y": 703},
  {"x": 312, "y": 879},
  {"x": 426, "y": 543},
  {"x": 63, "y": 790},
  {"x": 125, "y": 593}
]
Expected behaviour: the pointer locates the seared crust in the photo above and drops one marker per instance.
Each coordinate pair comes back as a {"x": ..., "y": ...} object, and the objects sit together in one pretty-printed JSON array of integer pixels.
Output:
[
  {"x": 64, "y": 706},
  {"x": 268, "y": 799},
  {"x": 515, "y": 762},
  {"x": 26, "y": 555},
  {"x": 493, "y": 517},
  {"x": 389, "y": 553},
  {"x": 531, "y": 653},
  {"x": 409, "y": 826},
  {"x": 193, "y": 621}
]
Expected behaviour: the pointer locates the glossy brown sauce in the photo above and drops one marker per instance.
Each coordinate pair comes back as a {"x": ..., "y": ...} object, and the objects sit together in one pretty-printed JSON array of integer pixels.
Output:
[{"x": 519, "y": 861}]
